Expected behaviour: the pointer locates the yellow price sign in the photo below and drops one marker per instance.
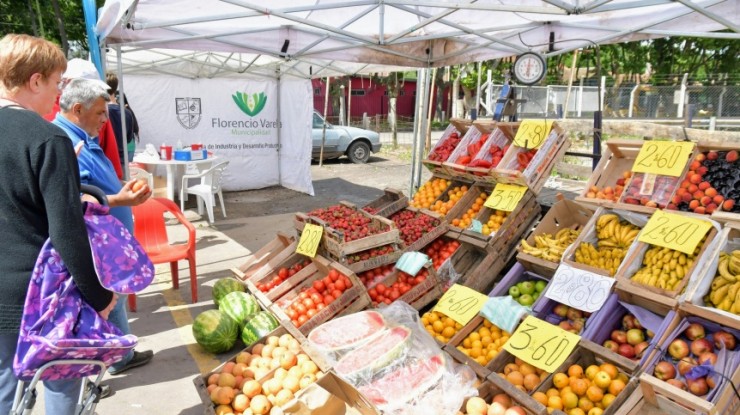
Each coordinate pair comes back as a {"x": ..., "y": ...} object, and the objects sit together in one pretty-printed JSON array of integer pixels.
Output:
[
  {"x": 532, "y": 133},
  {"x": 310, "y": 238},
  {"x": 541, "y": 344},
  {"x": 505, "y": 197},
  {"x": 667, "y": 158},
  {"x": 672, "y": 231},
  {"x": 461, "y": 303}
]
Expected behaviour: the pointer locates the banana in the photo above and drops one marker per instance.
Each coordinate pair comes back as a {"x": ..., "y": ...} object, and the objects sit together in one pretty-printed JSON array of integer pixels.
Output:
[
  {"x": 732, "y": 292},
  {"x": 723, "y": 271},
  {"x": 734, "y": 264},
  {"x": 631, "y": 235},
  {"x": 719, "y": 295},
  {"x": 718, "y": 282}
]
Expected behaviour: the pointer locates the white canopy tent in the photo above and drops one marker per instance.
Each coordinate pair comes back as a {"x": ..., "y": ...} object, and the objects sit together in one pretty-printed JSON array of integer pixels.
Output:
[{"x": 306, "y": 39}]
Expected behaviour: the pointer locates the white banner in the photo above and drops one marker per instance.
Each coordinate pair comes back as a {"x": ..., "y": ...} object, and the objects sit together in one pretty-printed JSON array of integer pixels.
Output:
[{"x": 236, "y": 119}]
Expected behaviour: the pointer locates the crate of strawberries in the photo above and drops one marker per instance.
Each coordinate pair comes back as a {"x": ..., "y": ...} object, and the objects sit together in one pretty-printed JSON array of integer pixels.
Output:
[{"x": 418, "y": 227}]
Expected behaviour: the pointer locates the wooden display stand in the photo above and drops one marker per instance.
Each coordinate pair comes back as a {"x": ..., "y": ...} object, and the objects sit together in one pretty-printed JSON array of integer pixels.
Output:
[{"x": 391, "y": 202}]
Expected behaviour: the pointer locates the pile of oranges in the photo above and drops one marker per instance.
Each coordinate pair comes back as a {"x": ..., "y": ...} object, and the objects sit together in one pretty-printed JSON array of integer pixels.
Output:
[
  {"x": 466, "y": 219},
  {"x": 483, "y": 344},
  {"x": 453, "y": 196},
  {"x": 494, "y": 222},
  {"x": 523, "y": 376},
  {"x": 429, "y": 192},
  {"x": 440, "y": 326},
  {"x": 581, "y": 392}
]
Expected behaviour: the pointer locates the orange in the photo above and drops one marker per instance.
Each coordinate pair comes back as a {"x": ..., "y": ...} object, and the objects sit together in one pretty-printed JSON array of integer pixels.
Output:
[
  {"x": 608, "y": 399},
  {"x": 585, "y": 404},
  {"x": 531, "y": 381},
  {"x": 515, "y": 378},
  {"x": 527, "y": 369},
  {"x": 596, "y": 411},
  {"x": 579, "y": 386},
  {"x": 576, "y": 411},
  {"x": 511, "y": 367},
  {"x": 560, "y": 380},
  {"x": 552, "y": 392},
  {"x": 570, "y": 400},
  {"x": 610, "y": 369},
  {"x": 591, "y": 371},
  {"x": 616, "y": 387},
  {"x": 594, "y": 393},
  {"x": 602, "y": 380},
  {"x": 540, "y": 397},
  {"x": 575, "y": 371},
  {"x": 555, "y": 402}
]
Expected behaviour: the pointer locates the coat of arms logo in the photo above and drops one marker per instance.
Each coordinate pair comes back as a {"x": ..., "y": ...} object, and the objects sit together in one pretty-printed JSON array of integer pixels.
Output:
[{"x": 188, "y": 112}]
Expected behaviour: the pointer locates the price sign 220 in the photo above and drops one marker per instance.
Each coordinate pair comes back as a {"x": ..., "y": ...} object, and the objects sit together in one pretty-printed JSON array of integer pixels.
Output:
[
  {"x": 541, "y": 344},
  {"x": 667, "y": 158}
]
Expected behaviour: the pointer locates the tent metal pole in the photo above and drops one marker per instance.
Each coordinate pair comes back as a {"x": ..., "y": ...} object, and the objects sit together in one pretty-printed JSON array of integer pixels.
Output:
[
  {"x": 415, "y": 137},
  {"x": 122, "y": 107},
  {"x": 279, "y": 124},
  {"x": 323, "y": 132},
  {"x": 423, "y": 132}
]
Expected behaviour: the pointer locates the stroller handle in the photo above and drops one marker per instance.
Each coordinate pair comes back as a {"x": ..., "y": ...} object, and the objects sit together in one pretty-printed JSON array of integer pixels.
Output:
[{"x": 95, "y": 192}]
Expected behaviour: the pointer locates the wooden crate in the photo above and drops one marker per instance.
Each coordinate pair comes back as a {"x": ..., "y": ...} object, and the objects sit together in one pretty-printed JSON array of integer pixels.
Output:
[
  {"x": 588, "y": 353},
  {"x": 487, "y": 390},
  {"x": 267, "y": 298},
  {"x": 667, "y": 297},
  {"x": 701, "y": 284},
  {"x": 456, "y": 340},
  {"x": 391, "y": 202},
  {"x": 430, "y": 235},
  {"x": 617, "y": 158},
  {"x": 538, "y": 170},
  {"x": 466, "y": 202},
  {"x": 484, "y": 241},
  {"x": 497, "y": 369},
  {"x": 461, "y": 124},
  {"x": 353, "y": 299},
  {"x": 371, "y": 262},
  {"x": 452, "y": 167},
  {"x": 420, "y": 295},
  {"x": 562, "y": 215},
  {"x": 256, "y": 260},
  {"x": 659, "y": 198},
  {"x": 457, "y": 182},
  {"x": 497, "y": 138},
  {"x": 435, "y": 166},
  {"x": 467, "y": 262},
  {"x": 286, "y": 255},
  {"x": 516, "y": 224}
]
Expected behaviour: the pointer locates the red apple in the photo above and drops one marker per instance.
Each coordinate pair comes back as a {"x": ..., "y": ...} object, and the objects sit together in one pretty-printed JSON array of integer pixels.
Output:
[
  {"x": 565, "y": 325},
  {"x": 677, "y": 383},
  {"x": 710, "y": 382},
  {"x": 678, "y": 349},
  {"x": 685, "y": 364},
  {"x": 626, "y": 350},
  {"x": 695, "y": 331},
  {"x": 619, "y": 336},
  {"x": 561, "y": 310},
  {"x": 664, "y": 371},
  {"x": 612, "y": 345},
  {"x": 635, "y": 337},
  {"x": 640, "y": 348},
  {"x": 628, "y": 322},
  {"x": 708, "y": 358},
  {"x": 701, "y": 346},
  {"x": 724, "y": 338},
  {"x": 698, "y": 387},
  {"x": 578, "y": 324},
  {"x": 574, "y": 314}
]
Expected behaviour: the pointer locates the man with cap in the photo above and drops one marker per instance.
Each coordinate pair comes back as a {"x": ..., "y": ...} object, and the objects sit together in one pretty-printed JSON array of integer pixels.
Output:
[
  {"x": 83, "y": 110},
  {"x": 82, "y": 69}
]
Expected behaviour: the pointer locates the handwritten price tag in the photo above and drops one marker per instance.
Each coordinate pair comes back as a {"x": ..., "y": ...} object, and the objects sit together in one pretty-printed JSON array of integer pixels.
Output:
[
  {"x": 663, "y": 157},
  {"x": 541, "y": 344},
  {"x": 310, "y": 238},
  {"x": 678, "y": 232},
  {"x": 461, "y": 303},
  {"x": 505, "y": 197},
  {"x": 532, "y": 133},
  {"x": 580, "y": 289}
]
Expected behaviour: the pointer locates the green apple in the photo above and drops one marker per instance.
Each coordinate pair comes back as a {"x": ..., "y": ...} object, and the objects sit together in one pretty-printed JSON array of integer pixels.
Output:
[
  {"x": 527, "y": 287},
  {"x": 514, "y": 292},
  {"x": 526, "y": 299},
  {"x": 536, "y": 295},
  {"x": 540, "y": 286}
]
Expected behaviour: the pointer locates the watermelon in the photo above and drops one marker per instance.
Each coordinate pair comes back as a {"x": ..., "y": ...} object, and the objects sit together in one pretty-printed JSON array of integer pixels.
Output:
[
  {"x": 215, "y": 331},
  {"x": 406, "y": 382},
  {"x": 347, "y": 332},
  {"x": 375, "y": 354},
  {"x": 225, "y": 286},
  {"x": 239, "y": 306},
  {"x": 259, "y": 326}
]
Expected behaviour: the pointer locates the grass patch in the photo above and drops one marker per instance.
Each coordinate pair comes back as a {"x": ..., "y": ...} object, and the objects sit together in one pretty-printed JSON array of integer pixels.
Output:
[{"x": 402, "y": 152}]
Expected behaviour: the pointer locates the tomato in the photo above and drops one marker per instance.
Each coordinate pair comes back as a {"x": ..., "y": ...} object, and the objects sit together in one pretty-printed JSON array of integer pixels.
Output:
[
  {"x": 302, "y": 319},
  {"x": 326, "y": 281},
  {"x": 308, "y": 303},
  {"x": 276, "y": 281},
  {"x": 394, "y": 295},
  {"x": 331, "y": 287},
  {"x": 404, "y": 289},
  {"x": 316, "y": 298},
  {"x": 320, "y": 306},
  {"x": 291, "y": 313},
  {"x": 328, "y": 299},
  {"x": 283, "y": 273},
  {"x": 418, "y": 280},
  {"x": 294, "y": 321},
  {"x": 387, "y": 301},
  {"x": 312, "y": 312},
  {"x": 319, "y": 285},
  {"x": 380, "y": 288},
  {"x": 334, "y": 275},
  {"x": 339, "y": 285},
  {"x": 303, "y": 295},
  {"x": 336, "y": 294},
  {"x": 372, "y": 293},
  {"x": 291, "y": 272},
  {"x": 300, "y": 308}
]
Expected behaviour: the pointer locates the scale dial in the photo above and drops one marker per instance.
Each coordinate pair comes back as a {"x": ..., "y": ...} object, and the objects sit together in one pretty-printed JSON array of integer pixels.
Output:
[{"x": 529, "y": 68}]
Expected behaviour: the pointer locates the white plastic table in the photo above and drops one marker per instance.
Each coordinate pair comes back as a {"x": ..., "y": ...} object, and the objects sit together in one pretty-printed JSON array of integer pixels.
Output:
[{"x": 175, "y": 169}]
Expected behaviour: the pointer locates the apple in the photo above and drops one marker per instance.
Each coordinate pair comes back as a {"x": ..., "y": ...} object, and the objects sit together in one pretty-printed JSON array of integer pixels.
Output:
[
  {"x": 635, "y": 336},
  {"x": 565, "y": 325},
  {"x": 561, "y": 310},
  {"x": 664, "y": 371},
  {"x": 724, "y": 338},
  {"x": 711, "y": 382},
  {"x": 619, "y": 336},
  {"x": 628, "y": 322},
  {"x": 515, "y": 410},
  {"x": 540, "y": 286},
  {"x": 612, "y": 345},
  {"x": 701, "y": 346},
  {"x": 650, "y": 334},
  {"x": 578, "y": 324},
  {"x": 698, "y": 386},
  {"x": 526, "y": 287},
  {"x": 514, "y": 291},
  {"x": 678, "y": 349},
  {"x": 574, "y": 314},
  {"x": 677, "y": 383},
  {"x": 640, "y": 348},
  {"x": 626, "y": 350},
  {"x": 695, "y": 331},
  {"x": 525, "y": 299},
  {"x": 686, "y": 364},
  {"x": 638, "y": 325},
  {"x": 708, "y": 358}
]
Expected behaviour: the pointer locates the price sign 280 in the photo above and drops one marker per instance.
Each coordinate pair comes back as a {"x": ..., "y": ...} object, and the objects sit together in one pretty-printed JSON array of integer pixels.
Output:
[
  {"x": 532, "y": 133},
  {"x": 541, "y": 344},
  {"x": 663, "y": 157},
  {"x": 578, "y": 288},
  {"x": 310, "y": 239},
  {"x": 677, "y": 232}
]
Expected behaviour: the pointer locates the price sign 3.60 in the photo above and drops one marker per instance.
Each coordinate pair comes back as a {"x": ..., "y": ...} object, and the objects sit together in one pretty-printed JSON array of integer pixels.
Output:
[
  {"x": 580, "y": 289},
  {"x": 541, "y": 344},
  {"x": 505, "y": 197}
]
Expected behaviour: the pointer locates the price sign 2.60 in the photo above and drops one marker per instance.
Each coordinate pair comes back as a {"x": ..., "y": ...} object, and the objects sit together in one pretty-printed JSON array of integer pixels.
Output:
[
  {"x": 667, "y": 158},
  {"x": 672, "y": 231},
  {"x": 541, "y": 344}
]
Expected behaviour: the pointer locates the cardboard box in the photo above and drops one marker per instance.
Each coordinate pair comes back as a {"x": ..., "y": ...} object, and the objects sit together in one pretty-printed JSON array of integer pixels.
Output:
[
  {"x": 563, "y": 214},
  {"x": 189, "y": 155}
]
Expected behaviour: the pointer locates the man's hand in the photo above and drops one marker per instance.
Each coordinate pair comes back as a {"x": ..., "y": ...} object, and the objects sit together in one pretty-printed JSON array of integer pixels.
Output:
[
  {"x": 105, "y": 313},
  {"x": 133, "y": 193}
]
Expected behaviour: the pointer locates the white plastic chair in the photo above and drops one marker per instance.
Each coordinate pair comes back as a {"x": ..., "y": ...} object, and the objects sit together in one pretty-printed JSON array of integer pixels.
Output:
[{"x": 210, "y": 185}]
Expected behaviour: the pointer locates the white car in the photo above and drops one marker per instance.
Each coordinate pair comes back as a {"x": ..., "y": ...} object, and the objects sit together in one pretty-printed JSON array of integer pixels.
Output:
[{"x": 355, "y": 143}]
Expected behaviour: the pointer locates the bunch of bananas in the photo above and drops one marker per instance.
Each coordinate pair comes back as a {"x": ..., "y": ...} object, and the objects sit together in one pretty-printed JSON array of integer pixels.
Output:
[
  {"x": 614, "y": 238},
  {"x": 665, "y": 268},
  {"x": 549, "y": 247},
  {"x": 725, "y": 291}
]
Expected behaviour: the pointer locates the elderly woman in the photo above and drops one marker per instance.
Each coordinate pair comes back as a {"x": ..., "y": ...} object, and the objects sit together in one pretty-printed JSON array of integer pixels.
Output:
[{"x": 39, "y": 199}]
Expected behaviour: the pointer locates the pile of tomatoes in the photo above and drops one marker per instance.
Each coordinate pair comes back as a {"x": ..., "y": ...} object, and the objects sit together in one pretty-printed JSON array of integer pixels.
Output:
[
  {"x": 441, "y": 249},
  {"x": 318, "y": 296},
  {"x": 372, "y": 276},
  {"x": 282, "y": 275},
  {"x": 386, "y": 294}
]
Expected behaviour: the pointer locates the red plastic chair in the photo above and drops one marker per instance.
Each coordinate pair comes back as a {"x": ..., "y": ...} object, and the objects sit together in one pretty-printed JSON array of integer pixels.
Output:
[{"x": 150, "y": 231}]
